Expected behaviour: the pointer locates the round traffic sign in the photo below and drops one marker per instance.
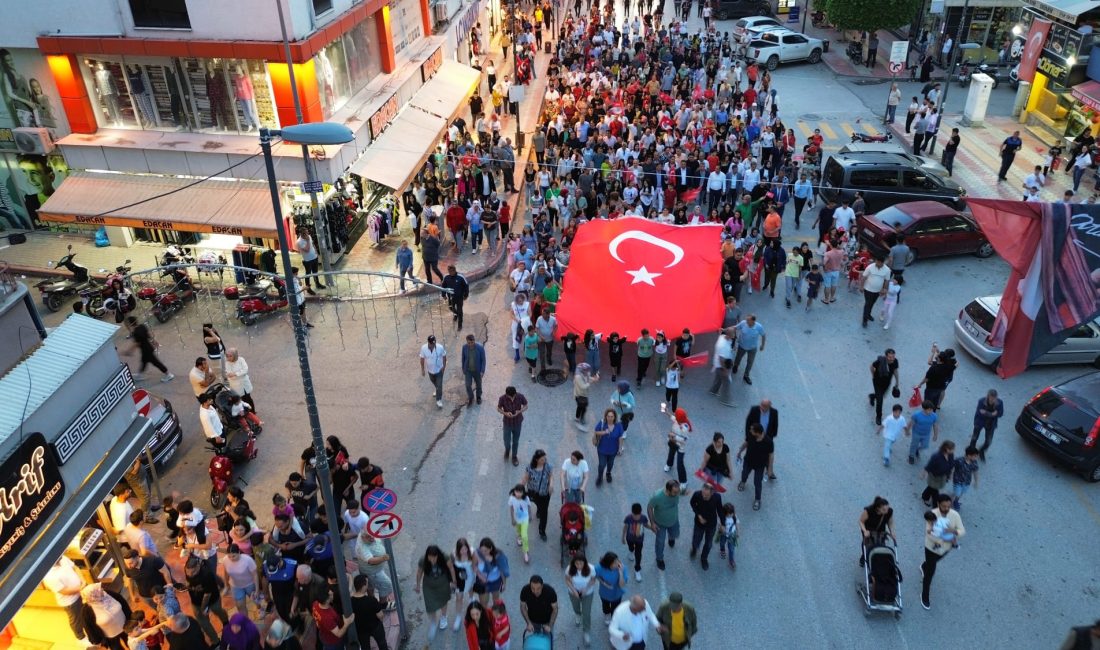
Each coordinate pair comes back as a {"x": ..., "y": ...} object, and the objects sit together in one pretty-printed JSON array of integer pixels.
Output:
[
  {"x": 379, "y": 500},
  {"x": 384, "y": 525},
  {"x": 895, "y": 67},
  {"x": 142, "y": 401}
]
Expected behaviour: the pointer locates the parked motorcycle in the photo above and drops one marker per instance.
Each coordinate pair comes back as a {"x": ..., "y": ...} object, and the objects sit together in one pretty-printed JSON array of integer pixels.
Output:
[
  {"x": 818, "y": 19},
  {"x": 238, "y": 447},
  {"x": 257, "y": 299},
  {"x": 867, "y": 137},
  {"x": 95, "y": 299},
  {"x": 855, "y": 52},
  {"x": 173, "y": 254},
  {"x": 1014, "y": 76},
  {"x": 964, "y": 73},
  {"x": 55, "y": 290},
  {"x": 167, "y": 301}
]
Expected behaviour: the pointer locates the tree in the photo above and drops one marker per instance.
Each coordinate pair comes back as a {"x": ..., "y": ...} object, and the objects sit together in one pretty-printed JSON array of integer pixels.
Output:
[{"x": 870, "y": 15}]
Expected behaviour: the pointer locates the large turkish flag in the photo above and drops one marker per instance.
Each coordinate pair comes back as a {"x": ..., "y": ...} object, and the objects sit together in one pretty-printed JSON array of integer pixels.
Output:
[{"x": 630, "y": 273}]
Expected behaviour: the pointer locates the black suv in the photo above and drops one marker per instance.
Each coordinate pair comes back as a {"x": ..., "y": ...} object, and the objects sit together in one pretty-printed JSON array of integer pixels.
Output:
[
  {"x": 1064, "y": 420},
  {"x": 726, "y": 9},
  {"x": 885, "y": 180}
]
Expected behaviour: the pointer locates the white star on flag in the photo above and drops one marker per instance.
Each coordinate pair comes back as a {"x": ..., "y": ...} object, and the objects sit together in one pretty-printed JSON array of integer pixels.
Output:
[{"x": 643, "y": 275}]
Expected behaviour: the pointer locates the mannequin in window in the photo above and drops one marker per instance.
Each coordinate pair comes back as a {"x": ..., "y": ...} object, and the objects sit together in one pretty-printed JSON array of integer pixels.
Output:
[
  {"x": 242, "y": 90},
  {"x": 142, "y": 97},
  {"x": 108, "y": 93},
  {"x": 175, "y": 98},
  {"x": 328, "y": 79},
  {"x": 218, "y": 95}
]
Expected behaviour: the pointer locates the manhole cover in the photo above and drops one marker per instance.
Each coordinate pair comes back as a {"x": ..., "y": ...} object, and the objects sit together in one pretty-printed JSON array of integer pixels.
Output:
[
  {"x": 552, "y": 377},
  {"x": 810, "y": 117}
]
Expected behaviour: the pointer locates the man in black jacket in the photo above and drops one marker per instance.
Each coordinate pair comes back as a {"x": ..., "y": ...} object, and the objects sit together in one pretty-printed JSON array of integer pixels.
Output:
[
  {"x": 768, "y": 417},
  {"x": 460, "y": 291},
  {"x": 707, "y": 507},
  {"x": 202, "y": 586}
]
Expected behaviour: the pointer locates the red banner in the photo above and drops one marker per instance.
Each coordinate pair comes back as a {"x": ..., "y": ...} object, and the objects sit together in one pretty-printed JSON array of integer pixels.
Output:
[
  {"x": 1033, "y": 48},
  {"x": 630, "y": 273}
]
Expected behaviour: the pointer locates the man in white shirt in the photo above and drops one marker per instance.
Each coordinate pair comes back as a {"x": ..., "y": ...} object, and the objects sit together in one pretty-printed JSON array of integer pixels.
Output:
[
  {"x": 844, "y": 216},
  {"x": 723, "y": 361},
  {"x": 875, "y": 279},
  {"x": 356, "y": 520},
  {"x": 210, "y": 420},
  {"x": 433, "y": 360},
  {"x": 716, "y": 185},
  {"x": 120, "y": 508},
  {"x": 65, "y": 582},
  {"x": 1032, "y": 195},
  {"x": 631, "y": 622},
  {"x": 1035, "y": 179},
  {"x": 751, "y": 178},
  {"x": 201, "y": 376},
  {"x": 136, "y": 537}
]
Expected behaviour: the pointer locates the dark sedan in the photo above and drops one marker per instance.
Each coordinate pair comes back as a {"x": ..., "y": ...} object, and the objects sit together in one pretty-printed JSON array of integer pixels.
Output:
[{"x": 931, "y": 229}]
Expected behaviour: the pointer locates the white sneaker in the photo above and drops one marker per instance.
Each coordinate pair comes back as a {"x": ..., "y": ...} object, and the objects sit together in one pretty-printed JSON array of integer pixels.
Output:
[
  {"x": 139, "y": 377},
  {"x": 458, "y": 623},
  {"x": 439, "y": 403},
  {"x": 886, "y": 326},
  {"x": 668, "y": 468},
  {"x": 167, "y": 378},
  {"x": 443, "y": 622},
  {"x": 587, "y": 639},
  {"x": 683, "y": 486},
  {"x": 658, "y": 383},
  {"x": 637, "y": 576}
]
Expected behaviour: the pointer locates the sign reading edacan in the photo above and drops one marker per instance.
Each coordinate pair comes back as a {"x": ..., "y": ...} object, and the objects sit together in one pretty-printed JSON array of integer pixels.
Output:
[{"x": 30, "y": 489}]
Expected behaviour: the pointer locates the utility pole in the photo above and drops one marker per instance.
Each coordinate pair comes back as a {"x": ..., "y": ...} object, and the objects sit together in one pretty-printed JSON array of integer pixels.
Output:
[{"x": 319, "y": 218}]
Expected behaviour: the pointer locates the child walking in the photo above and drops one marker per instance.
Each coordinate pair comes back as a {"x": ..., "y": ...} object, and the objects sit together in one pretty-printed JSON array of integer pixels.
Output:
[
  {"x": 672, "y": 384},
  {"x": 892, "y": 428},
  {"x": 531, "y": 351},
  {"x": 727, "y": 534},
  {"x": 634, "y": 536},
  {"x": 813, "y": 283},
  {"x": 502, "y": 627},
  {"x": 964, "y": 474},
  {"x": 660, "y": 353},
  {"x": 519, "y": 506},
  {"x": 890, "y": 303},
  {"x": 615, "y": 354}
]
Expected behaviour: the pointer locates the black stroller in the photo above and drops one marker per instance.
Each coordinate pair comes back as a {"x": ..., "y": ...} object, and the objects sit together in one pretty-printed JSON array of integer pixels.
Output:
[{"x": 881, "y": 588}]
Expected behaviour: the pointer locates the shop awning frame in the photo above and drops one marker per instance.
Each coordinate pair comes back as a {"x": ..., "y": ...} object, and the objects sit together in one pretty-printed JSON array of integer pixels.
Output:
[
  {"x": 233, "y": 207},
  {"x": 1088, "y": 93}
]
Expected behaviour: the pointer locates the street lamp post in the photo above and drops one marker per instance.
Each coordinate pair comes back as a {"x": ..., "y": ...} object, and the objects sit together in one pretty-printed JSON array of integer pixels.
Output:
[
  {"x": 954, "y": 57},
  {"x": 320, "y": 133}
]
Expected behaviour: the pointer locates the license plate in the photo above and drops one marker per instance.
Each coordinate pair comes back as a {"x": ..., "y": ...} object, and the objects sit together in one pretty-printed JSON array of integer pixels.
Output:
[
  {"x": 969, "y": 327},
  {"x": 171, "y": 452},
  {"x": 1049, "y": 435}
]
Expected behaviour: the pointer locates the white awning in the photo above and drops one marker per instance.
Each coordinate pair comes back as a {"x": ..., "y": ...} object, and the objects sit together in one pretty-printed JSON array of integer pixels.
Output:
[
  {"x": 397, "y": 155},
  {"x": 446, "y": 92},
  {"x": 1067, "y": 10}
]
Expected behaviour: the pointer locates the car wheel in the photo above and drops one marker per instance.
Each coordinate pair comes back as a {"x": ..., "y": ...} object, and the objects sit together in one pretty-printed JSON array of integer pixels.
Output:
[
  {"x": 773, "y": 62},
  {"x": 985, "y": 250},
  {"x": 1096, "y": 362},
  {"x": 722, "y": 15},
  {"x": 911, "y": 256},
  {"x": 815, "y": 56},
  {"x": 996, "y": 365},
  {"x": 1093, "y": 474}
]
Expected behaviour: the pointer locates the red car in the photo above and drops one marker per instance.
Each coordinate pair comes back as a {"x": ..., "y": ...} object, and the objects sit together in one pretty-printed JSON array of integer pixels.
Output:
[{"x": 931, "y": 229}]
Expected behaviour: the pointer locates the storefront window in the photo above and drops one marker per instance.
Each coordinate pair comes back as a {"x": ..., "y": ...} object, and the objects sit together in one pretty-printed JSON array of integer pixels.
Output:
[
  {"x": 185, "y": 94},
  {"x": 332, "y": 76},
  {"x": 363, "y": 53}
]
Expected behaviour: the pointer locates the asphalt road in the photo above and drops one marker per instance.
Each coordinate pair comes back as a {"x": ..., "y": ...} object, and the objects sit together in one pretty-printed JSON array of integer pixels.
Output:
[{"x": 1025, "y": 571}]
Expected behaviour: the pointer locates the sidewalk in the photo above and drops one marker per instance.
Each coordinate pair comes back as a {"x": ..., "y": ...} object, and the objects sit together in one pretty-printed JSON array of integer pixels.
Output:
[
  {"x": 837, "y": 58},
  {"x": 978, "y": 161},
  {"x": 32, "y": 258}
]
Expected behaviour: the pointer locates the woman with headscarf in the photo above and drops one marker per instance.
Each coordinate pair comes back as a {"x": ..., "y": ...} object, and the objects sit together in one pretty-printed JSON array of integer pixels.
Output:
[
  {"x": 105, "y": 614},
  {"x": 677, "y": 442},
  {"x": 622, "y": 400},
  {"x": 582, "y": 380},
  {"x": 240, "y": 634},
  {"x": 280, "y": 636}
]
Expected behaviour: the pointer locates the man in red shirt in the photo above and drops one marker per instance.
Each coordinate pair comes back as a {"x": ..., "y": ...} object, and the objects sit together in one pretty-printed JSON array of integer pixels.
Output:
[
  {"x": 329, "y": 626},
  {"x": 455, "y": 218}
]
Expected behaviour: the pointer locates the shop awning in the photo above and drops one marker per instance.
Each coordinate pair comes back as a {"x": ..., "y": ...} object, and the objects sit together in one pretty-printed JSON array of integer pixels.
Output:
[
  {"x": 1067, "y": 10},
  {"x": 397, "y": 155},
  {"x": 232, "y": 207},
  {"x": 445, "y": 94},
  {"x": 1088, "y": 94}
]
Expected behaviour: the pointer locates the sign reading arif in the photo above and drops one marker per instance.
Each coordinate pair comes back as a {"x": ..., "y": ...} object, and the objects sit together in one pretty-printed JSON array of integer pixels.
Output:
[{"x": 30, "y": 489}]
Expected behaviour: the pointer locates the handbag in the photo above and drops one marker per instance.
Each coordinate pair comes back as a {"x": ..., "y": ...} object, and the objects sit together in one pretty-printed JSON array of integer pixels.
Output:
[
  {"x": 915, "y": 399},
  {"x": 896, "y": 392},
  {"x": 596, "y": 439}
]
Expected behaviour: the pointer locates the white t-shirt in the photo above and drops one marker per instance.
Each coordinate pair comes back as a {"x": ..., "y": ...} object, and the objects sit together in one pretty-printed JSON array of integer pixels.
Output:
[
  {"x": 63, "y": 576},
  {"x": 433, "y": 359},
  {"x": 574, "y": 474},
  {"x": 197, "y": 376},
  {"x": 120, "y": 514},
  {"x": 211, "y": 423},
  {"x": 672, "y": 378},
  {"x": 356, "y": 524},
  {"x": 843, "y": 218},
  {"x": 875, "y": 277},
  {"x": 521, "y": 509},
  {"x": 893, "y": 427},
  {"x": 582, "y": 583}
]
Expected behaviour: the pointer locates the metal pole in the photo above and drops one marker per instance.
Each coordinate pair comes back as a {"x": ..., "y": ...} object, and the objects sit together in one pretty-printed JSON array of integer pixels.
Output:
[
  {"x": 398, "y": 603},
  {"x": 515, "y": 64},
  {"x": 155, "y": 475},
  {"x": 954, "y": 59},
  {"x": 324, "y": 478},
  {"x": 319, "y": 218},
  {"x": 804, "y": 12}
]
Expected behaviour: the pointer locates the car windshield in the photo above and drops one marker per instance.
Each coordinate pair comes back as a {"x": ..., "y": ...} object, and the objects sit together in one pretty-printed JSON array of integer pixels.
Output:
[
  {"x": 1066, "y": 412},
  {"x": 980, "y": 315},
  {"x": 894, "y": 218}
]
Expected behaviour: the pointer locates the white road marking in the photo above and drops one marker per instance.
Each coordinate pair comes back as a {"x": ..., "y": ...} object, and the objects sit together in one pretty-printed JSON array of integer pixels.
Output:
[
  {"x": 476, "y": 507},
  {"x": 483, "y": 469},
  {"x": 802, "y": 375}
]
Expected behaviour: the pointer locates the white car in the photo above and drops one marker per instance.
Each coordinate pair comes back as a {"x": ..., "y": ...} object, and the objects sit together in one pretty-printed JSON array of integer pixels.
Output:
[
  {"x": 754, "y": 23},
  {"x": 782, "y": 46},
  {"x": 975, "y": 323}
]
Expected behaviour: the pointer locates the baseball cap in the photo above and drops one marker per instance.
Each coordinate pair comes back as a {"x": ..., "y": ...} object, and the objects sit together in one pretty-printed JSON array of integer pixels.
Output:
[{"x": 675, "y": 598}]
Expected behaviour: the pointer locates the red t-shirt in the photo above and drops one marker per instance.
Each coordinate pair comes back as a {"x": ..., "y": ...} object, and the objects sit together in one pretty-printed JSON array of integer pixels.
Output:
[{"x": 327, "y": 620}]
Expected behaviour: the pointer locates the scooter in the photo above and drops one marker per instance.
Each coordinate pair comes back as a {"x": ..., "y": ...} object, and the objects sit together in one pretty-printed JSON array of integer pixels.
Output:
[
  {"x": 964, "y": 73},
  {"x": 867, "y": 137},
  {"x": 95, "y": 300},
  {"x": 55, "y": 290},
  {"x": 166, "y": 302},
  {"x": 257, "y": 299},
  {"x": 230, "y": 452},
  {"x": 855, "y": 52}
]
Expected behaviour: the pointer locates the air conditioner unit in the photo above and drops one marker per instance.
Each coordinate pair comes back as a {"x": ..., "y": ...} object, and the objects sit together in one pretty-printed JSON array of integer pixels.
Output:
[
  {"x": 33, "y": 140},
  {"x": 439, "y": 13}
]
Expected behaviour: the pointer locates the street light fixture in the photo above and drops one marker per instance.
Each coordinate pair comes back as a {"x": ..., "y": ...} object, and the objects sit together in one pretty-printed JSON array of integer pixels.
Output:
[{"x": 317, "y": 133}]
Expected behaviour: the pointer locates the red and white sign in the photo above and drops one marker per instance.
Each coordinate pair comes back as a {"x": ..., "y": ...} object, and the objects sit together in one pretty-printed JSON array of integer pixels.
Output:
[
  {"x": 895, "y": 67},
  {"x": 1036, "y": 38},
  {"x": 384, "y": 525},
  {"x": 143, "y": 402}
]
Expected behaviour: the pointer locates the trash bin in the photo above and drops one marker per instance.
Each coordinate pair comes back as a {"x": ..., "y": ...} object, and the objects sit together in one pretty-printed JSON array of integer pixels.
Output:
[{"x": 825, "y": 46}]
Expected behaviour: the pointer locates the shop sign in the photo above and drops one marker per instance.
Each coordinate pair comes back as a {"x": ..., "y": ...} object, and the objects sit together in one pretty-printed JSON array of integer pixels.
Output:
[
  {"x": 93, "y": 415},
  {"x": 383, "y": 116},
  {"x": 431, "y": 64},
  {"x": 1051, "y": 9},
  {"x": 466, "y": 24},
  {"x": 157, "y": 224},
  {"x": 30, "y": 490},
  {"x": 1053, "y": 68}
]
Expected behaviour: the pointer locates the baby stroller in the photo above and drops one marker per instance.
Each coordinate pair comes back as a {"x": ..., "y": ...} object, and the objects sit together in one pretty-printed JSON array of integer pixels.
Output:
[
  {"x": 540, "y": 639},
  {"x": 573, "y": 536},
  {"x": 881, "y": 588}
]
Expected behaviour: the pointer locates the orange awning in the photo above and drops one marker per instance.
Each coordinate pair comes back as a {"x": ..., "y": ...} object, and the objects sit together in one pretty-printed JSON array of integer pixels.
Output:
[{"x": 225, "y": 207}]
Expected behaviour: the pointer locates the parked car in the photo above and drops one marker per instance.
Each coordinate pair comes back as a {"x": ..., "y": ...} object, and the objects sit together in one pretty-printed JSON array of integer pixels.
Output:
[
  {"x": 974, "y": 326},
  {"x": 783, "y": 46},
  {"x": 761, "y": 19},
  {"x": 931, "y": 229},
  {"x": 886, "y": 180},
  {"x": 1064, "y": 421},
  {"x": 898, "y": 150},
  {"x": 167, "y": 433}
]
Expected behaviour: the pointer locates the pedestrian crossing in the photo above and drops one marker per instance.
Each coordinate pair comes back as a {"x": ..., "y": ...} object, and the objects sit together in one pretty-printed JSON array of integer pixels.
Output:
[{"x": 836, "y": 133}]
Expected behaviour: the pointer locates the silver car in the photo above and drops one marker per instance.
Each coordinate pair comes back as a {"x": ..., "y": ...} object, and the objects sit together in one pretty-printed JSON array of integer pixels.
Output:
[
  {"x": 924, "y": 162},
  {"x": 975, "y": 323}
]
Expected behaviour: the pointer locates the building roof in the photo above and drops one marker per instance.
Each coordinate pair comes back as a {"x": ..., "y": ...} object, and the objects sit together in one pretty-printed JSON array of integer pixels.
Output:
[{"x": 28, "y": 385}]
